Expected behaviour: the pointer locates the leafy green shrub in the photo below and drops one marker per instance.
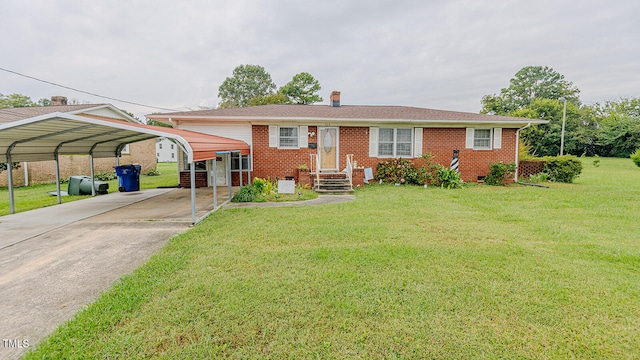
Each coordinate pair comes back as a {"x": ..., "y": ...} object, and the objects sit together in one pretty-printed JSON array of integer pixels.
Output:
[
  {"x": 153, "y": 172},
  {"x": 636, "y": 157},
  {"x": 247, "y": 193},
  {"x": 397, "y": 171},
  {"x": 449, "y": 178},
  {"x": 402, "y": 171},
  {"x": 562, "y": 168},
  {"x": 106, "y": 176},
  {"x": 263, "y": 187},
  {"x": 537, "y": 178},
  {"x": 499, "y": 173}
]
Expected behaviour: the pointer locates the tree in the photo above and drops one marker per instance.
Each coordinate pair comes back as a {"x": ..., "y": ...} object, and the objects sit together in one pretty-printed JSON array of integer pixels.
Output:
[
  {"x": 15, "y": 101},
  {"x": 544, "y": 139},
  {"x": 618, "y": 124},
  {"x": 530, "y": 83},
  {"x": 277, "y": 98},
  {"x": 302, "y": 89},
  {"x": 247, "y": 82}
]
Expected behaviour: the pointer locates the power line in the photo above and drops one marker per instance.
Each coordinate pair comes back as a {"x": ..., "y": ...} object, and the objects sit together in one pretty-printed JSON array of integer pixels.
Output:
[{"x": 86, "y": 92}]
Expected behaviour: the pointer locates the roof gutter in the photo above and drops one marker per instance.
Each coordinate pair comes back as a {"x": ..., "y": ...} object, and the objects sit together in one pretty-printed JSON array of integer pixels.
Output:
[{"x": 517, "y": 162}]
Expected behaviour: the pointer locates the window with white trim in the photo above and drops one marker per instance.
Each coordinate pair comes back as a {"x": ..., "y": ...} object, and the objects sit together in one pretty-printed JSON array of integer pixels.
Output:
[
  {"x": 482, "y": 139},
  {"x": 395, "y": 142},
  {"x": 288, "y": 137},
  {"x": 235, "y": 162}
]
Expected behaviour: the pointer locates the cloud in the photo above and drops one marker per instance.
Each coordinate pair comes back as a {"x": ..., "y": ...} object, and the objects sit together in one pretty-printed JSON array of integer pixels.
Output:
[{"x": 419, "y": 53}]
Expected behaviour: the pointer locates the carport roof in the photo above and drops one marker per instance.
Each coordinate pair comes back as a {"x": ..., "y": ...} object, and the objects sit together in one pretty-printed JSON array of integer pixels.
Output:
[{"x": 39, "y": 138}]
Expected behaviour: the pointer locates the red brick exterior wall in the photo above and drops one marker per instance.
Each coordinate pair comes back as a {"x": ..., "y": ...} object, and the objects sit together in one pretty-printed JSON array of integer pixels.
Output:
[
  {"x": 440, "y": 142},
  {"x": 44, "y": 172}
]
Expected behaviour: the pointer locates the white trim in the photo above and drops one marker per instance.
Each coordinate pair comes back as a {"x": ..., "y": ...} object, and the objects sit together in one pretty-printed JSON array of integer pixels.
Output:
[
  {"x": 417, "y": 142},
  {"x": 303, "y": 136},
  {"x": 497, "y": 138},
  {"x": 469, "y": 139},
  {"x": 373, "y": 142},
  {"x": 273, "y": 136},
  {"x": 288, "y": 147}
]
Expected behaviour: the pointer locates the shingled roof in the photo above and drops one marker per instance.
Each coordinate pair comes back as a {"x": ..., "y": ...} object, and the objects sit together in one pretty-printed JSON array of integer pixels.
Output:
[
  {"x": 14, "y": 114},
  {"x": 345, "y": 112}
]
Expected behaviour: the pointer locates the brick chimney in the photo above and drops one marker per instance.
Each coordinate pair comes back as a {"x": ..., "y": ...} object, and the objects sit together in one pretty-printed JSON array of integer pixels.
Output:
[
  {"x": 334, "y": 99},
  {"x": 58, "y": 100}
]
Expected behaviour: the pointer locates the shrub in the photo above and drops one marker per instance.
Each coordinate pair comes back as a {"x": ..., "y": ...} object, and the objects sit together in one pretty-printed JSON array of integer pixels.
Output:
[
  {"x": 262, "y": 186},
  {"x": 153, "y": 172},
  {"x": 636, "y": 157},
  {"x": 449, "y": 178},
  {"x": 499, "y": 173},
  {"x": 397, "y": 171},
  {"x": 402, "y": 171},
  {"x": 562, "y": 168},
  {"x": 247, "y": 193},
  {"x": 537, "y": 178},
  {"x": 106, "y": 176}
]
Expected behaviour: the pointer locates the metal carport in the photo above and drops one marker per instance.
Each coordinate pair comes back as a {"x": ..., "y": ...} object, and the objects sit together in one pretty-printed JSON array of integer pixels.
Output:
[{"x": 48, "y": 136}]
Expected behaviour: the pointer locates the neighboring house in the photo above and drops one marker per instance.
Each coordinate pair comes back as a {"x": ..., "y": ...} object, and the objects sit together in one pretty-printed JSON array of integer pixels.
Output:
[
  {"x": 41, "y": 172},
  {"x": 283, "y": 137},
  {"x": 166, "y": 150}
]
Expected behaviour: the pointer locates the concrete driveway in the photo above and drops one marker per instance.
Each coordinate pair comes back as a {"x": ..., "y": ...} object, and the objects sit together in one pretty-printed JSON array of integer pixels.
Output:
[{"x": 56, "y": 260}]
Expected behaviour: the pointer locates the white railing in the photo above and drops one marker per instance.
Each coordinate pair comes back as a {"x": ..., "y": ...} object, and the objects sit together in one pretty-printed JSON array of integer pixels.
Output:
[
  {"x": 350, "y": 169},
  {"x": 315, "y": 166}
]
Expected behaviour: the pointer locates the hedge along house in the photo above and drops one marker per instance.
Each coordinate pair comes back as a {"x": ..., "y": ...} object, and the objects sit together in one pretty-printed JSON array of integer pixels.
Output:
[{"x": 332, "y": 138}]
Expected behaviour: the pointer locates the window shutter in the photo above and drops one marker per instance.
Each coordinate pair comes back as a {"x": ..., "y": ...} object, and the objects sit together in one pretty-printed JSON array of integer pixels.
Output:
[
  {"x": 373, "y": 142},
  {"x": 303, "y": 136},
  {"x": 469, "y": 142},
  {"x": 497, "y": 138},
  {"x": 273, "y": 136},
  {"x": 417, "y": 143}
]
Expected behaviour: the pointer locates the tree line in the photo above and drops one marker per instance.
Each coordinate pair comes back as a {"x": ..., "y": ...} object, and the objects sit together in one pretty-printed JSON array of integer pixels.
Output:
[{"x": 610, "y": 128}]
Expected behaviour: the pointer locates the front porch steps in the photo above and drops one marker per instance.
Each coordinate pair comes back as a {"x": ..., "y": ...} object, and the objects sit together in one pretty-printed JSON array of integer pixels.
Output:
[{"x": 333, "y": 183}]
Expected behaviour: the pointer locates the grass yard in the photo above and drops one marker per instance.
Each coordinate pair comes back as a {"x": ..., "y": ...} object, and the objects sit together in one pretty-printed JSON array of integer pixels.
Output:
[
  {"x": 402, "y": 272},
  {"x": 35, "y": 196}
]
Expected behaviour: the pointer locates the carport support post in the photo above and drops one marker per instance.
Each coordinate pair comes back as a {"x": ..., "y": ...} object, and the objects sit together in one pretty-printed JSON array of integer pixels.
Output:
[
  {"x": 192, "y": 169},
  {"x": 229, "y": 175},
  {"x": 58, "y": 177},
  {"x": 240, "y": 167},
  {"x": 93, "y": 184},
  {"x": 12, "y": 207},
  {"x": 215, "y": 183}
]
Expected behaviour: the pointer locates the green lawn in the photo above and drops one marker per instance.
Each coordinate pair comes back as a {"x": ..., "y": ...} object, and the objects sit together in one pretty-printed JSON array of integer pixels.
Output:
[
  {"x": 402, "y": 272},
  {"x": 36, "y": 196}
]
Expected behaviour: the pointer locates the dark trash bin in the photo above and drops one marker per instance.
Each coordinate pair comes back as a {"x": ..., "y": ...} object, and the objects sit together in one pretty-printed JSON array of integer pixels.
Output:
[{"x": 128, "y": 177}]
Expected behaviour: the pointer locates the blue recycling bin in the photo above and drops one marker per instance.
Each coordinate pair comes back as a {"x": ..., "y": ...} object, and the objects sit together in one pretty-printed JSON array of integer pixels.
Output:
[{"x": 128, "y": 177}]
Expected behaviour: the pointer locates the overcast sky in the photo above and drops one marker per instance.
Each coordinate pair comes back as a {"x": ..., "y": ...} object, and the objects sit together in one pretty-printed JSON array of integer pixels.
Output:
[{"x": 434, "y": 54}]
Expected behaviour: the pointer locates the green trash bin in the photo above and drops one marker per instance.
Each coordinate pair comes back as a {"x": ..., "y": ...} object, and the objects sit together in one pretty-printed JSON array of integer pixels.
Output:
[{"x": 81, "y": 185}]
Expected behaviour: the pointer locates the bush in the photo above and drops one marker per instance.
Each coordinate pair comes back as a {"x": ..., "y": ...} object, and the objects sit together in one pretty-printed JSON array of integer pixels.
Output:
[
  {"x": 106, "y": 176},
  {"x": 247, "y": 193},
  {"x": 153, "y": 172},
  {"x": 397, "y": 171},
  {"x": 449, "y": 178},
  {"x": 402, "y": 171},
  {"x": 263, "y": 187},
  {"x": 562, "y": 168},
  {"x": 636, "y": 157},
  {"x": 499, "y": 173}
]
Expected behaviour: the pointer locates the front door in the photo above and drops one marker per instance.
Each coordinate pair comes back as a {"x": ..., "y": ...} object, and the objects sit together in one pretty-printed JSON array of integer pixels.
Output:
[
  {"x": 221, "y": 170},
  {"x": 328, "y": 148}
]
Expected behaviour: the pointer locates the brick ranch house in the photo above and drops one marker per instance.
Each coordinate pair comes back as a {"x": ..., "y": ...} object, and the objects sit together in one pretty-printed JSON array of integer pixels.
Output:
[
  {"x": 41, "y": 172},
  {"x": 283, "y": 137}
]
